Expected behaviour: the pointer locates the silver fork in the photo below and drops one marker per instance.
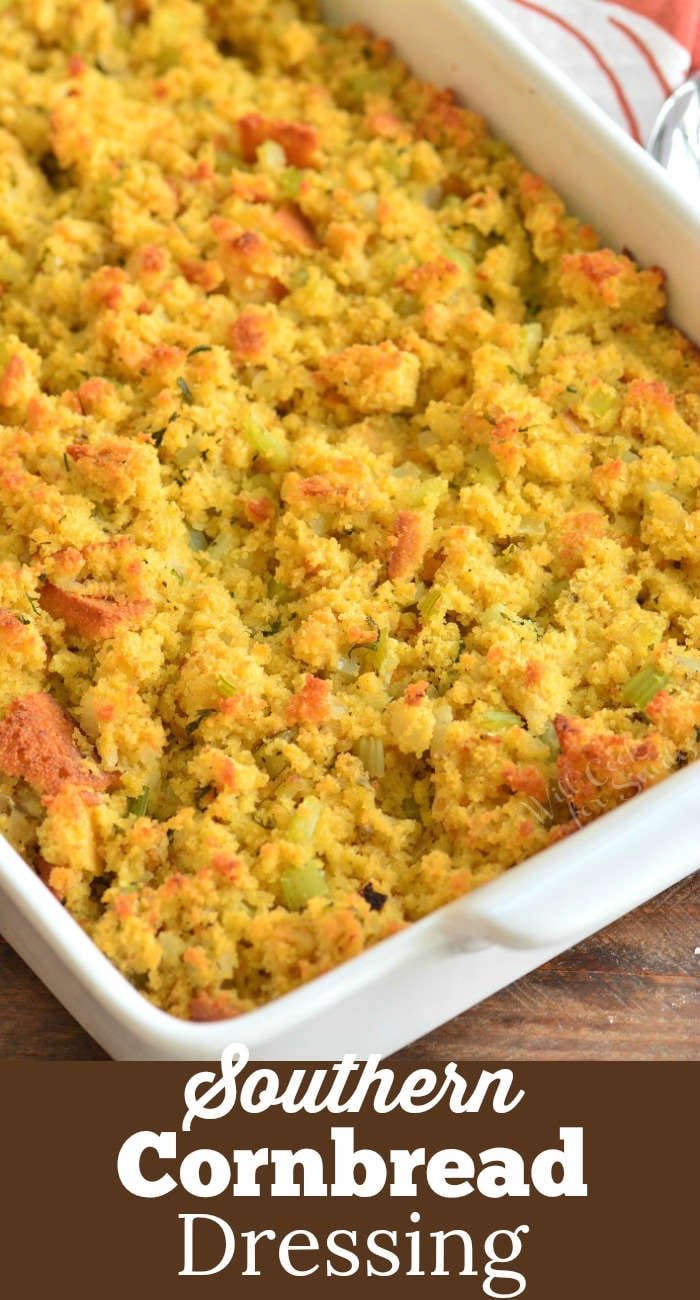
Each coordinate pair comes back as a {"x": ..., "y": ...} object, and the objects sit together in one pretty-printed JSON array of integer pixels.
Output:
[{"x": 675, "y": 138}]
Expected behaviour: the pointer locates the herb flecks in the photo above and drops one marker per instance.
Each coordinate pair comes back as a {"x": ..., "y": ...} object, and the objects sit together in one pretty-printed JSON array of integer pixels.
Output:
[
  {"x": 367, "y": 645},
  {"x": 272, "y": 629},
  {"x": 157, "y": 435},
  {"x": 186, "y": 391},
  {"x": 198, "y": 720}
]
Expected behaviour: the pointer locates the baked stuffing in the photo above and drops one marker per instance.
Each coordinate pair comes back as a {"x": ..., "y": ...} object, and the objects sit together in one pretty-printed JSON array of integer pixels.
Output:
[{"x": 349, "y": 495}]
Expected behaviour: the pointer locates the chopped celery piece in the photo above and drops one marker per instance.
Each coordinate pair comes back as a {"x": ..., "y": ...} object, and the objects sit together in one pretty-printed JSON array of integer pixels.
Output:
[
  {"x": 275, "y": 764},
  {"x": 601, "y": 401},
  {"x": 370, "y": 751},
  {"x": 430, "y": 604},
  {"x": 299, "y": 278},
  {"x": 556, "y": 590},
  {"x": 279, "y": 592},
  {"x": 302, "y": 827},
  {"x": 499, "y": 614},
  {"x": 267, "y": 444},
  {"x": 500, "y": 719},
  {"x": 428, "y": 492},
  {"x": 226, "y": 687},
  {"x": 640, "y": 690},
  {"x": 224, "y": 160},
  {"x": 550, "y": 739},
  {"x": 463, "y": 260},
  {"x": 168, "y": 57},
  {"x": 138, "y": 807},
  {"x": 300, "y": 884},
  {"x": 290, "y": 182},
  {"x": 484, "y": 467},
  {"x": 363, "y": 83}
]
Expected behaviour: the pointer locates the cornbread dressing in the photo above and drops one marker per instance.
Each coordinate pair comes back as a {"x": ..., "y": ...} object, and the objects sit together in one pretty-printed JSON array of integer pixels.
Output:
[{"x": 349, "y": 495}]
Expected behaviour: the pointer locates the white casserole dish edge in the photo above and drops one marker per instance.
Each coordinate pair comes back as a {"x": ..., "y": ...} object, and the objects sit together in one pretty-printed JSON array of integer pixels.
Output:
[{"x": 437, "y": 968}]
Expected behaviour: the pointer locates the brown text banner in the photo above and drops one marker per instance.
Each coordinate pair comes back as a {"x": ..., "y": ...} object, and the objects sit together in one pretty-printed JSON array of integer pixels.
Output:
[{"x": 547, "y": 1180}]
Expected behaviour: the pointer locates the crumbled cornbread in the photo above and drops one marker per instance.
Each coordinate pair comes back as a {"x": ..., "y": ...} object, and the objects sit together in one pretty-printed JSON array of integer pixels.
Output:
[{"x": 350, "y": 495}]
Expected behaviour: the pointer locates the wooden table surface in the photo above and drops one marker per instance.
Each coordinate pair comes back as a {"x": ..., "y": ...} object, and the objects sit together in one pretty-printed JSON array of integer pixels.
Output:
[{"x": 632, "y": 992}]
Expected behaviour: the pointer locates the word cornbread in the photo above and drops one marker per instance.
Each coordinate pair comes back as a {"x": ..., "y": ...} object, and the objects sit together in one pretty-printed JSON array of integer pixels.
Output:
[{"x": 349, "y": 495}]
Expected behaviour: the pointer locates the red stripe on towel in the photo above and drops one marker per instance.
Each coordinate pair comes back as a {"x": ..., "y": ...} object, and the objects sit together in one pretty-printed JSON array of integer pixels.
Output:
[
  {"x": 595, "y": 54},
  {"x": 645, "y": 52}
]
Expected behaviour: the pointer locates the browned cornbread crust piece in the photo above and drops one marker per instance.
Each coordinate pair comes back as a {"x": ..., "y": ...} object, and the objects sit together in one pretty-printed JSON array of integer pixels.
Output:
[{"x": 349, "y": 495}]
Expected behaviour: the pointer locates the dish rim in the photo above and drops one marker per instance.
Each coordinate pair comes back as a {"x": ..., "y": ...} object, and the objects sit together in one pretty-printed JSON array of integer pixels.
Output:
[{"x": 79, "y": 955}]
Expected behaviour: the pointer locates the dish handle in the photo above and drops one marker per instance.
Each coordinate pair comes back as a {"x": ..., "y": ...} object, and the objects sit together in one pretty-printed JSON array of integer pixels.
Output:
[{"x": 588, "y": 879}]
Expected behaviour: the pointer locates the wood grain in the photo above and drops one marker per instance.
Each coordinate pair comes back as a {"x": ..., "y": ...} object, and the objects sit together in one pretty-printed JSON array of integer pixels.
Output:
[{"x": 631, "y": 992}]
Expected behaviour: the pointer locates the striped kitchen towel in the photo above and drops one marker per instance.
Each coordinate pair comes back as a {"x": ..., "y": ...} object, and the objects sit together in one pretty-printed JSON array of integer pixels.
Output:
[{"x": 629, "y": 56}]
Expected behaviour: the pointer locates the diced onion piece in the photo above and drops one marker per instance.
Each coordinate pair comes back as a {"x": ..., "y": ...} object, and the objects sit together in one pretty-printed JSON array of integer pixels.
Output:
[
  {"x": 443, "y": 718},
  {"x": 300, "y": 884},
  {"x": 197, "y": 539},
  {"x": 272, "y": 156},
  {"x": 572, "y": 425},
  {"x": 532, "y": 335},
  {"x": 370, "y": 751},
  {"x": 433, "y": 196},
  {"x": 347, "y": 667},
  {"x": 171, "y": 945},
  {"x": 531, "y": 526},
  {"x": 640, "y": 690},
  {"x": 368, "y": 203},
  {"x": 690, "y": 662},
  {"x": 302, "y": 827},
  {"x": 483, "y": 466}
]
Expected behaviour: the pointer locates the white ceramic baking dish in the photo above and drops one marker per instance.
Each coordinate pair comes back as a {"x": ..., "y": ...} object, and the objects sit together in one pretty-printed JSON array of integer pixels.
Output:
[{"x": 409, "y": 984}]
